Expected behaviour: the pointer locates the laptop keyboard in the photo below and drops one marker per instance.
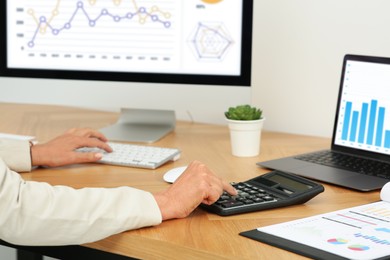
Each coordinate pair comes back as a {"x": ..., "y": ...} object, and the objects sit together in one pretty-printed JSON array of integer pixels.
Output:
[{"x": 347, "y": 162}]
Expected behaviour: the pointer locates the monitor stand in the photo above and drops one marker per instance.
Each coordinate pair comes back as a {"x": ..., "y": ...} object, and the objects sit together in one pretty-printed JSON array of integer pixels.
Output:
[{"x": 141, "y": 125}]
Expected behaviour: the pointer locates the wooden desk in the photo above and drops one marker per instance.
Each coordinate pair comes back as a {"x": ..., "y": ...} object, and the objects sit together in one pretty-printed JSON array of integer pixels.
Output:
[{"x": 202, "y": 235}]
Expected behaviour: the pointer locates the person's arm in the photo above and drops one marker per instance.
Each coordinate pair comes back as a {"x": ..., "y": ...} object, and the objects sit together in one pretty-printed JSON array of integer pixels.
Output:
[
  {"x": 61, "y": 150},
  {"x": 20, "y": 156},
  {"x": 34, "y": 213},
  {"x": 16, "y": 154}
]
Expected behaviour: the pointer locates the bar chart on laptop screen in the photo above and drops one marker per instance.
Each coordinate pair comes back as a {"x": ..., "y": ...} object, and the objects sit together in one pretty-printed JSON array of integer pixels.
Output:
[
  {"x": 191, "y": 36},
  {"x": 364, "y": 117}
]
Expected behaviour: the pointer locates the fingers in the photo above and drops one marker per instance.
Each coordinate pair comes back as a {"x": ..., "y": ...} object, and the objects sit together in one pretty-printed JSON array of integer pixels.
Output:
[
  {"x": 87, "y": 132},
  {"x": 217, "y": 181},
  {"x": 92, "y": 142},
  {"x": 198, "y": 184},
  {"x": 217, "y": 189},
  {"x": 229, "y": 188},
  {"x": 213, "y": 186},
  {"x": 212, "y": 195},
  {"x": 87, "y": 137},
  {"x": 98, "y": 135},
  {"x": 75, "y": 158},
  {"x": 87, "y": 157}
]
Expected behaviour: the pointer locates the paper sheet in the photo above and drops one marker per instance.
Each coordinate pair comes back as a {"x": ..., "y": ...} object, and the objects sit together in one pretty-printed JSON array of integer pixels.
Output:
[{"x": 361, "y": 232}]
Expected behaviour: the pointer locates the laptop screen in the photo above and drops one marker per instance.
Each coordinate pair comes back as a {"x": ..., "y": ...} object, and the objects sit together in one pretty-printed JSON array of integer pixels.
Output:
[{"x": 363, "y": 114}]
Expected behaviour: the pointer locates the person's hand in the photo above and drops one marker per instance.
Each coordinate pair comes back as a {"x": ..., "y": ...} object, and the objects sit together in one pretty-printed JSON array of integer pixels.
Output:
[
  {"x": 198, "y": 184},
  {"x": 61, "y": 150}
]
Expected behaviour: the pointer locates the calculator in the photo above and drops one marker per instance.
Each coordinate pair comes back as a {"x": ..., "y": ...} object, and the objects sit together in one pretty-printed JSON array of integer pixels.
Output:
[{"x": 271, "y": 190}]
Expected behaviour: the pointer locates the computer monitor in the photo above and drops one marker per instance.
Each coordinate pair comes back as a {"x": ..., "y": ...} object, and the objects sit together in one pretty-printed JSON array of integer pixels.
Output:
[{"x": 169, "y": 45}]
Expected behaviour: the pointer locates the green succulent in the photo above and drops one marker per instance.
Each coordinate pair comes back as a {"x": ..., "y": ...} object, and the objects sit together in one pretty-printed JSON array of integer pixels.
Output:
[{"x": 243, "y": 112}]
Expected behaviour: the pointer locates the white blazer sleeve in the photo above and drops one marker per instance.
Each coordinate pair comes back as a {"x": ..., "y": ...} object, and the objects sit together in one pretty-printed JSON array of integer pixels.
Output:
[
  {"x": 35, "y": 213},
  {"x": 16, "y": 154}
]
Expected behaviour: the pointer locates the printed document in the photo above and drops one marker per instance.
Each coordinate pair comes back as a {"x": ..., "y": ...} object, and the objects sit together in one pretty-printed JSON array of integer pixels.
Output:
[{"x": 361, "y": 232}]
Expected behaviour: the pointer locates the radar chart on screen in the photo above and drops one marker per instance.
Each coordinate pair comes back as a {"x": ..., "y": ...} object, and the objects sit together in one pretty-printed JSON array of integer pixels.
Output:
[{"x": 125, "y": 35}]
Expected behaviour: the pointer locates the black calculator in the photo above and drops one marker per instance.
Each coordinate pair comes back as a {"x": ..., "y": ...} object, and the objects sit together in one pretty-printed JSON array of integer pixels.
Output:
[{"x": 271, "y": 190}]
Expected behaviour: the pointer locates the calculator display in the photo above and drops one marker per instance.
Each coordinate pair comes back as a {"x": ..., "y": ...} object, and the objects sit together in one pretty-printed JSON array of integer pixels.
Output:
[{"x": 298, "y": 186}]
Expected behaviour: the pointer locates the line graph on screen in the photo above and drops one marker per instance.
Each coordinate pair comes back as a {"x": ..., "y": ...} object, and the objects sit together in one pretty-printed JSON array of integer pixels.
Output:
[
  {"x": 125, "y": 36},
  {"x": 142, "y": 14},
  {"x": 99, "y": 30}
]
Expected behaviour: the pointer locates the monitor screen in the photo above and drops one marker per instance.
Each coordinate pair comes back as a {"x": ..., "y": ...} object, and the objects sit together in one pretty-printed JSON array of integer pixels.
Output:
[{"x": 191, "y": 41}]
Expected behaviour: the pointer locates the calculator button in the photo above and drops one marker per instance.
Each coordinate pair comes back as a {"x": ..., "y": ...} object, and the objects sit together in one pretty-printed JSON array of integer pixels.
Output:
[
  {"x": 257, "y": 200},
  {"x": 224, "y": 197},
  {"x": 220, "y": 202},
  {"x": 233, "y": 203},
  {"x": 244, "y": 194},
  {"x": 268, "y": 198}
]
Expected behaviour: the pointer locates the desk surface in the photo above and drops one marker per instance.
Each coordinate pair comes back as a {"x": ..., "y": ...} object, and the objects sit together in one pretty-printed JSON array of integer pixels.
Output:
[{"x": 201, "y": 235}]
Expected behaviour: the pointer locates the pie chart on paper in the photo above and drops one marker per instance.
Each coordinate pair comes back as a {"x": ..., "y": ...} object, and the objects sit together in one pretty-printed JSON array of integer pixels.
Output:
[
  {"x": 337, "y": 241},
  {"x": 358, "y": 248},
  {"x": 211, "y": 1}
]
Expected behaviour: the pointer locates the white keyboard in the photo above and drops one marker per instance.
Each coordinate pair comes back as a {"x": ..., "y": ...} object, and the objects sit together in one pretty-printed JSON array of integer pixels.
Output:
[{"x": 136, "y": 155}]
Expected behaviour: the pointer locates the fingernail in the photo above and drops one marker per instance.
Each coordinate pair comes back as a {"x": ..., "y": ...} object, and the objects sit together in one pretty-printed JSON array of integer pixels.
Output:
[{"x": 98, "y": 155}]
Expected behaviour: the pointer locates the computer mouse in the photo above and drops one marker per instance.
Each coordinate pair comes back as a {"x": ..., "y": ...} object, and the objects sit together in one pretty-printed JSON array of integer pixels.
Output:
[{"x": 171, "y": 175}]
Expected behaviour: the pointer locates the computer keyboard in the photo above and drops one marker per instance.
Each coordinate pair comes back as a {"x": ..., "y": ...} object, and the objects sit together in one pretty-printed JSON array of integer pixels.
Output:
[{"x": 140, "y": 156}]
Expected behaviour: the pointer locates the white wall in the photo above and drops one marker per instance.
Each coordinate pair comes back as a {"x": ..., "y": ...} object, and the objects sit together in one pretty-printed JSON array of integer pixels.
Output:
[
  {"x": 299, "y": 46},
  {"x": 297, "y": 54}
]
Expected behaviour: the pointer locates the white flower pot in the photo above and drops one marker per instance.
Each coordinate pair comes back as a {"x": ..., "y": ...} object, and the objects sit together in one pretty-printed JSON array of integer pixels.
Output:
[{"x": 245, "y": 137}]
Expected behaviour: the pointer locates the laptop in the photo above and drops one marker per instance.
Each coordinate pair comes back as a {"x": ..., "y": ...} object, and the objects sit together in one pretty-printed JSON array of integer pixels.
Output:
[{"x": 361, "y": 134}]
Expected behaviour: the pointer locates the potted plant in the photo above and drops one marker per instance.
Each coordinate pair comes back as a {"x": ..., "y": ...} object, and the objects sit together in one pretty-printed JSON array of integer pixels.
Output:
[
  {"x": 244, "y": 112},
  {"x": 245, "y": 124}
]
